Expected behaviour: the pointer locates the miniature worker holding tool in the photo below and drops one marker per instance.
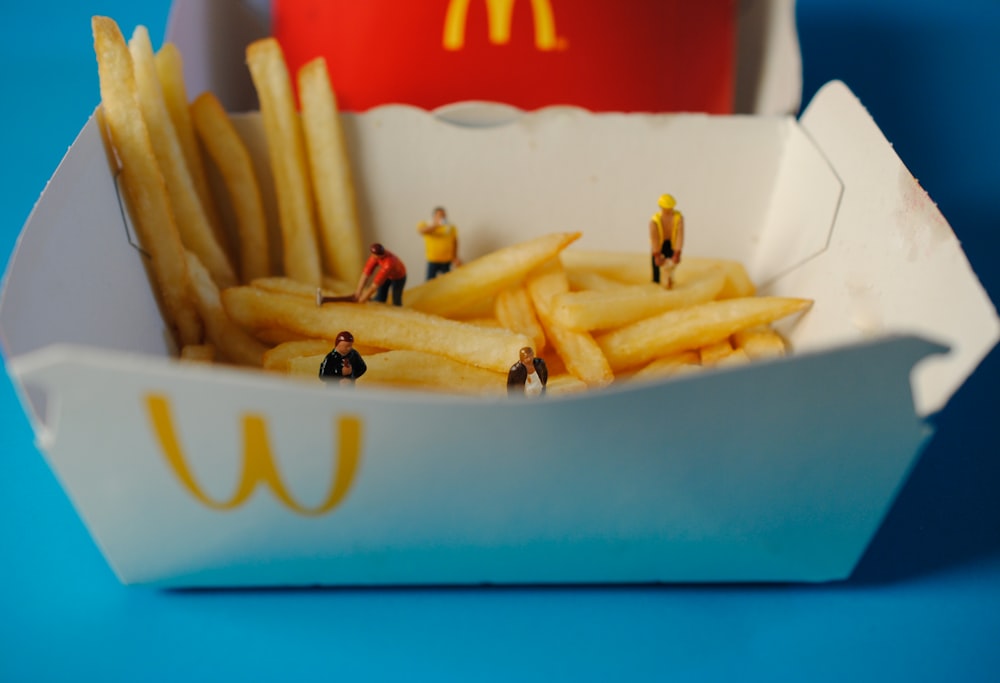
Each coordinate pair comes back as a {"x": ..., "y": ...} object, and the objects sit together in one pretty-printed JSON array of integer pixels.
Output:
[
  {"x": 343, "y": 364},
  {"x": 440, "y": 243},
  {"x": 391, "y": 273},
  {"x": 528, "y": 376},
  {"x": 666, "y": 238}
]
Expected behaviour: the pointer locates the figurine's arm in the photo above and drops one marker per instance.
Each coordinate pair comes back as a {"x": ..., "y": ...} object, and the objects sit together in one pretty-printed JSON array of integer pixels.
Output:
[
  {"x": 680, "y": 238},
  {"x": 358, "y": 363},
  {"x": 543, "y": 371},
  {"x": 515, "y": 379},
  {"x": 655, "y": 244}
]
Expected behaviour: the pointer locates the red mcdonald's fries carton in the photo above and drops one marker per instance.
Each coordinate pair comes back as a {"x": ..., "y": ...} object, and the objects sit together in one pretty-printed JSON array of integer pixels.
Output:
[
  {"x": 632, "y": 55},
  {"x": 203, "y": 475}
]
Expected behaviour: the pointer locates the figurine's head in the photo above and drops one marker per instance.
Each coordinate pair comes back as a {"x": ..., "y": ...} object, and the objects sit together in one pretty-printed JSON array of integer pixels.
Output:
[
  {"x": 667, "y": 202},
  {"x": 439, "y": 213},
  {"x": 344, "y": 343},
  {"x": 527, "y": 355},
  {"x": 377, "y": 249}
]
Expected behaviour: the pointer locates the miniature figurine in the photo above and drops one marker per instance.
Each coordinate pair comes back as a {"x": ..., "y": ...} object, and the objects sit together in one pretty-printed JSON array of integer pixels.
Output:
[
  {"x": 440, "y": 243},
  {"x": 528, "y": 376},
  {"x": 666, "y": 237},
  {"x": 391, "y": 273},
  {"x": 343, "y": 364}
]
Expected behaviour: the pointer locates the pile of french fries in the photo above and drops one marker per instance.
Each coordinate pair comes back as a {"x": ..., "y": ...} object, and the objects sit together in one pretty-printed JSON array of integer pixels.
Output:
[{"x": 593, "y": 316}]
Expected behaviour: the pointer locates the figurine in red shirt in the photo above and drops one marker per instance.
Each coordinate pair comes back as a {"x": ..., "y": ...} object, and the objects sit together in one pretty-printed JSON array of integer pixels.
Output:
[{"x": 391, "y": 273}]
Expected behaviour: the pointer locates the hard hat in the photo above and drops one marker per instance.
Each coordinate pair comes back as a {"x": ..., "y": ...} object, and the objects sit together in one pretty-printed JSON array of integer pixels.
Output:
[{"x": 667, "y": 201}]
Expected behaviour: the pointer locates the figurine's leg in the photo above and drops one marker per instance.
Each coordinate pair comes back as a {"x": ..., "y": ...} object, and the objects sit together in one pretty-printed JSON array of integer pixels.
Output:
[
  {"x": 656, "y": 270},
  {"x": 397, "y": 291},
  {"x": 383, "y": 292}
]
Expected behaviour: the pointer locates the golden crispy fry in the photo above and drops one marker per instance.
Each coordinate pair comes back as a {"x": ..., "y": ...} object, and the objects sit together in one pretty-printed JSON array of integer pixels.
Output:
[
  {"x": 432, "y": 371},
  {"x": 144, "y": 186},
  {"x": 484, "y": 322},
  {"x": 738, "y": 283},
  {"x": 564, "y": 384},
  {"x": 170, "y": 70},
  {"x": 388, "y": 327},
  {"x": 635, "y": 268},
  {"x": 760, "y": 342},
  {"x": 286, "y": 146},
  {"x": 231, "y": 340},
  {"x": 582, "y": 356},
  {"x": 272, "y": 336},
  {"x": 610, "y": 308},
  {"x": 192, "y": 221},
  {"x": 735, "y": 357},
  {"x": 480, "y": 280},
  {"x": 198, "y": 353},
  {"x": 333, "y": 187},
  {"x": 587, "y": 280},
  {"x": 669, "y": 366},
  {"x": 690, "y": 328},
  {"x": 711, "y": 354},
  {"x": 232, "y": 158},
  {"x": 624, "y": 267},
  {"x": 515, "y": 312},
  {"x": 279, "y": 358}
]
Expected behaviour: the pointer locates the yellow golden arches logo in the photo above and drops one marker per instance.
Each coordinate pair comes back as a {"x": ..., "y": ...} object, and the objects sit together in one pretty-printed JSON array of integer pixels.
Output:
[
  {"x": 499, "y": 14},
  {"x": 258, "y": 461}
]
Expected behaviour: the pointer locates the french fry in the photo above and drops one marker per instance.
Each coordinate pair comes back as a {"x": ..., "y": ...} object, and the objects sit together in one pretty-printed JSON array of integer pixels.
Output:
[
  {"x": 196, "y": 232},
  {"x": 339, "y": 230},
  {"x": 226, "y": 149},
  {"x": 582, "y": 356},
  {"x": 481, "y": 279},
  {"x": 229, "y": 339},
  {"x": 564, "y": 384},
  {"x": 432, "y": 371},
  {"x": 669, "y": 366},
  {"x": 144, "y": 186},
  {"x": 690, "y": 328},
  {"x": 388, "y": 327},
  {"x": 610, "y": 308},
  {"x": 514, "y": 311},
  {"x": 585, "y": 280},
  {"x": 735, "y": 357},
  {"x": 635, "y": 268},
  {"x": 279, "y": 357},
  {"x": 170, "y": 71},
  {"x": 285, "y": 285},
  {"x": 710, "y": 354},
  {"x": 760, "y": 342},
  {"x": 286, "y": 147}
]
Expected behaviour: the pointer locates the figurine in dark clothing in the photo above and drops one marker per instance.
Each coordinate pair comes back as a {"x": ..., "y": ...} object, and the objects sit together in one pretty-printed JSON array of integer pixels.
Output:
[
  {"x": 528, "y": 376},
  {"x": 343, "y": 364}
]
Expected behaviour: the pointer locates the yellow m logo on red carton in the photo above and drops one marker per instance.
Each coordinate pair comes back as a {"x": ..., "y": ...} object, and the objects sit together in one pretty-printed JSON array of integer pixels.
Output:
[
  {"x": 499, "y": 16},
  {"x": 258, "y": 461}
]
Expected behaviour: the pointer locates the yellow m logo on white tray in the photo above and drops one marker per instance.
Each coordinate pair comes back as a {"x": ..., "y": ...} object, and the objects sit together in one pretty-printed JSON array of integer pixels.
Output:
[
  {"x": 258, "y": 461},
  {"x": 499, "y": 16}
]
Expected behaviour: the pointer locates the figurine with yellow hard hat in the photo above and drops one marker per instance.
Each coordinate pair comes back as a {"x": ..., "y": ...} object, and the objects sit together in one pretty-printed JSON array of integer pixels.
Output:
[{"x": 666, "y": 239}]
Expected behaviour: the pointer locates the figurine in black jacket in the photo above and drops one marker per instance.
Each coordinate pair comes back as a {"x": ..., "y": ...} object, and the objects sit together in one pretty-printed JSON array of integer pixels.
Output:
[
  {"x": 528, "y": 376},
  {"x": 343, "y": 364}
]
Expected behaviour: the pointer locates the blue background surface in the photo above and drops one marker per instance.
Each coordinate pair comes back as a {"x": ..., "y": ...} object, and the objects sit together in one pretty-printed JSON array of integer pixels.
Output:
[{"x": 924, "y": 604}]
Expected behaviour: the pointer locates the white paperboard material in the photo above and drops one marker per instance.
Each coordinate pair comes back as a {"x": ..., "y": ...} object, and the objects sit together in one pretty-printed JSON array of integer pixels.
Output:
[{"x": 191, "y": 475}]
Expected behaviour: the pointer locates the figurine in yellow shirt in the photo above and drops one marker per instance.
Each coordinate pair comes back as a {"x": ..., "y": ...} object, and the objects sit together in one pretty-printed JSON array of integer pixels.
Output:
[
  {"x": 440, "y": 243},
  {"x": 666, "y": 238}
]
